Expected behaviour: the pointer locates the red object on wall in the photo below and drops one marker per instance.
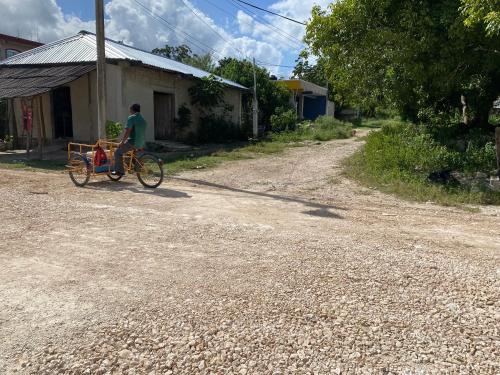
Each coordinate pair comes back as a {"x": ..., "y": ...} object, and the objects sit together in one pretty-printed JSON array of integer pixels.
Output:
[{"x": 27, "y": 118}]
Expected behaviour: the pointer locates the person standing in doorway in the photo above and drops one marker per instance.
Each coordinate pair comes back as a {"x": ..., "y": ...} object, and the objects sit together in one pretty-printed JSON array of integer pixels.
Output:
[{"x": 134, "y": 138}]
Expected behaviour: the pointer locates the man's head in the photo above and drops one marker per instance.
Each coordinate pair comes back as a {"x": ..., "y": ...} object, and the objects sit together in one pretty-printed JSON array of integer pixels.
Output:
[{"x": 135, "y": 108}]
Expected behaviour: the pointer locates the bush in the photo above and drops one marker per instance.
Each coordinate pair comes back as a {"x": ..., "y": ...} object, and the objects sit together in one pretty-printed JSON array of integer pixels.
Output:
[
  {"x": 113, "y": 129},
  {"x": 183, "y": 119},
  {"x": 402, "y": 157},
  {"x": 284, "y": 120},
  {"x": 216, "y": 129}
]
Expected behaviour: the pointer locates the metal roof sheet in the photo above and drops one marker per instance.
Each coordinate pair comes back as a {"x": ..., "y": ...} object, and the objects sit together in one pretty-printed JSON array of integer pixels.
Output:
[
  {"x": 82, "y": 48},
  {"x": 18, "y": 82}
]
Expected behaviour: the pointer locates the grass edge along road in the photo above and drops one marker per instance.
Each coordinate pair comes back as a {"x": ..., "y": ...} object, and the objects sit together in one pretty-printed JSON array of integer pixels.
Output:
[
  {"x": 306, "y": 133},
  {"x": 400, "y": 157}
]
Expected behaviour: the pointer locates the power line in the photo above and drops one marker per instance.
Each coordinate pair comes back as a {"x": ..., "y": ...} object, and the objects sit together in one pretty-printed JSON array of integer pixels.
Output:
[
  {"x": 192, "y": 39},
  {"x": 254, "y": 15},
  {"x": 268, "y": 11},
  {"x": 290, "y": 42},
  {"x": 175, "y": 29},
  {"x": 211, "y": 28}
]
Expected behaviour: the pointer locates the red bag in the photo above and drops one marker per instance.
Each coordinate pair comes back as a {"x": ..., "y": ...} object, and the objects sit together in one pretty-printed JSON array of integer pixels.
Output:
[{"x": 100, "y": 157}]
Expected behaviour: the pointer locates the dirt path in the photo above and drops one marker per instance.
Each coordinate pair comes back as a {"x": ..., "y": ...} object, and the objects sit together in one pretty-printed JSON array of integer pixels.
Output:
[{"x": 267, "y": 266}]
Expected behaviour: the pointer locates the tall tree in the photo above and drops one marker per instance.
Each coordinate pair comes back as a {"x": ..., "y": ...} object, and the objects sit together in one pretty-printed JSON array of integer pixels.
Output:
[{"x": 416, "y": 56}]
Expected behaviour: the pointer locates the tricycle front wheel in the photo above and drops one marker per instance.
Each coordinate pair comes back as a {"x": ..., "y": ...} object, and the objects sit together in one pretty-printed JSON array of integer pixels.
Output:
[{"x": 150, "y": 171}]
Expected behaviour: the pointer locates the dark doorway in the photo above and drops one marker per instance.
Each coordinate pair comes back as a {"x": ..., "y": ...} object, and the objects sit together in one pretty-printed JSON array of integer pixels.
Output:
[
  {"x": 63, "y": 117},
  {"x": 164, "y": 116}
]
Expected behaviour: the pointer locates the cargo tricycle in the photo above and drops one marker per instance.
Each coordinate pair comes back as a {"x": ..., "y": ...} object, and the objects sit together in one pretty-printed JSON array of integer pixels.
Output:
[{"x": 86, "y": 160}]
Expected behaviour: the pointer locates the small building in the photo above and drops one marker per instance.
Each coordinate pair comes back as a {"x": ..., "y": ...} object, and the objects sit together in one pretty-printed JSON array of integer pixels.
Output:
[
  {"x": 309, "y": 99},
  {"x": 11, "y": 45},
  {"x": 59, "y": 78}
]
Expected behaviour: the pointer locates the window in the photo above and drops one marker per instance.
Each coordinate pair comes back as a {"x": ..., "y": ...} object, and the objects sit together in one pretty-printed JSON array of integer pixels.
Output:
[{"x": 11, "y": 52}]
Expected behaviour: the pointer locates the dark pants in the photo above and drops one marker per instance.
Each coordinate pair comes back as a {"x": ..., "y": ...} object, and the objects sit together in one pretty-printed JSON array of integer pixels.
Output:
[{"x": 126, "y": 147}]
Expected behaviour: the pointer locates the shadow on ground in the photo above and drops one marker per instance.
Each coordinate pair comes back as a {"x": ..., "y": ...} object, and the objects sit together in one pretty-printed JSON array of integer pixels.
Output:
[
  {"x": 134, "y": 188},
  {"x": 319, "y": 209}
]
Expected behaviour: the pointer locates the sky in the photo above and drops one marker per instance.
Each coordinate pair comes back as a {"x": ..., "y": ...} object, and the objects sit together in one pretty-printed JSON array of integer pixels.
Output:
[{"x": 222, "y": 27}]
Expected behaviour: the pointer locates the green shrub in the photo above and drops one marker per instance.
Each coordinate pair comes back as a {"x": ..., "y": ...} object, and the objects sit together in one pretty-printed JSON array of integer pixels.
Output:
[
  {"x": 113, "y": 129},
  {"x": 183, "y": 117},
  {"x": 401, "y": 156},
  {"x": 217, "y": 129},
  {"x": 284, "y": 120}
]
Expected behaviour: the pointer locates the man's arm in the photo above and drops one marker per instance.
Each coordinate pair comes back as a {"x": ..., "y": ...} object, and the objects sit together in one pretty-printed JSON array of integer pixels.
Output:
[
  {"x": 128, "y": 130},
  {"x": 126, "y": 135}
]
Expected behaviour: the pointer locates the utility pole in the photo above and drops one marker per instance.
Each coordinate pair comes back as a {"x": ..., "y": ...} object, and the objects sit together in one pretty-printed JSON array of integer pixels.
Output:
[
  {"x": 255, "y": 104},
  {"x": 101, "y": 67}
]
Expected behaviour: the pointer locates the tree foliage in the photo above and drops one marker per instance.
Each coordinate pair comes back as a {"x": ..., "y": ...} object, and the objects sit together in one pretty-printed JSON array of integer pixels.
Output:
[
  {"x": 177, "y": 53},
  {"x": 486, "y": 12},
  {"x": 207, "y": 92},
  {"x": 417, "y": 56},
  {"x": 184, "y": 54},
  {"x": 270, "y": 94}
]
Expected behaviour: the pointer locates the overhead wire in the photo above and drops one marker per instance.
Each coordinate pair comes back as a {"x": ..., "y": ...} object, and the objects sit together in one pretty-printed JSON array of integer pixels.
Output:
[
  {"x": 215, "y": 31},
  {"x": 288, "y": 41},
  {"x": 273, "y": 13},
  {"x": 174, "y": 28},
  {"x": 195, "y": 41},
  {"x": 256, "y": 16}
]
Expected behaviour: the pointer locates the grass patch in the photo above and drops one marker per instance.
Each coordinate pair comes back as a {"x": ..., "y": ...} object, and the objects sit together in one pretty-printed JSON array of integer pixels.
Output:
[
  {"x": 32, "y": 165},
  {"x": 323, "y": 129},
  {"x": 399, "y": 158}
]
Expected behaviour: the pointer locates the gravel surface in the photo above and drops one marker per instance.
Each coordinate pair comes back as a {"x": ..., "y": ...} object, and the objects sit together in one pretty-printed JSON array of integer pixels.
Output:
[{"x": 276, "y": 265}]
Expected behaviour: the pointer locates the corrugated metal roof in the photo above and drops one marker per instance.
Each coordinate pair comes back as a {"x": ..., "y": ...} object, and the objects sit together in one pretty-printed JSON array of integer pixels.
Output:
[
  {"x": 18, "y": 82},
  {"x": 82, "y": 48}
]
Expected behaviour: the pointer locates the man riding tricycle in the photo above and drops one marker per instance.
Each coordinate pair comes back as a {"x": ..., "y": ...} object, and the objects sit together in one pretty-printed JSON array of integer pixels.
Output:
[{"x": 112, "y": 159}]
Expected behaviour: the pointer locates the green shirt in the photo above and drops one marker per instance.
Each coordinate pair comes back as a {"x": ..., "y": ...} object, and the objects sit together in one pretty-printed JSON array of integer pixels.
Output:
[{"x": 138, "y": 125}]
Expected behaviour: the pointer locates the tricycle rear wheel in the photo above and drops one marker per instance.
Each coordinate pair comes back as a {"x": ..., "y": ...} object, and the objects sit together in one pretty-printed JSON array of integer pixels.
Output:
[{"x": 80, "y": 171}]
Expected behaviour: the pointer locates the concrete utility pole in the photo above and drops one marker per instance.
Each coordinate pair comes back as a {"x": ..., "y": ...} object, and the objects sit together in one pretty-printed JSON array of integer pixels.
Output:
[
  {"x": 255, "y": 104},
  {"x": 101, "y": 67}
]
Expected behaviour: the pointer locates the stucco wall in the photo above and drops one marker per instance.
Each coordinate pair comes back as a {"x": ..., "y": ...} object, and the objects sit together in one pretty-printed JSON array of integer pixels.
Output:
[
  {"x": 140, "y": 84},
  {"x": 126, "y": 85}
]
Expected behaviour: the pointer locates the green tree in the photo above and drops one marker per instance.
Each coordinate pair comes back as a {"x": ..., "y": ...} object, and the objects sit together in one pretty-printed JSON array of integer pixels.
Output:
[
  {"x": 486, "y": 12},
  {"x": 207, "y": 92},
  {"x": 178, "y": 53},
  {"x": 270, "y": 94},
  {"x": 416, "y": 56},
  {"x": 204, "y": 62}
]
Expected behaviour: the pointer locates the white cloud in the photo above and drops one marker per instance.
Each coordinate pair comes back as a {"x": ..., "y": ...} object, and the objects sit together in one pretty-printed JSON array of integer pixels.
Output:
[
  {"x": 245, "y": 22},
  {"x": 41, "y": 20},
  {"x": 128, "y": 22}
]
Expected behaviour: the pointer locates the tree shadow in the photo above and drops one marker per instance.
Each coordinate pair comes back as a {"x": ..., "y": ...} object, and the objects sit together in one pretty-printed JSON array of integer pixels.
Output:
[
  {"x": 319, "y": 209},
  {"x": 132, "y": 187}
]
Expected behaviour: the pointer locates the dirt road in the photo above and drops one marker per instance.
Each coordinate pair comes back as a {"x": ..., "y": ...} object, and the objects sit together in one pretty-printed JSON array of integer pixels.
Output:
[{"x": 268, "y": 266}]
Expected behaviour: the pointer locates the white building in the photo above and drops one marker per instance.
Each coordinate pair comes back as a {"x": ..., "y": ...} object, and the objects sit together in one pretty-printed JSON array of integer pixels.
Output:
[{"x": 63, "y": 74}]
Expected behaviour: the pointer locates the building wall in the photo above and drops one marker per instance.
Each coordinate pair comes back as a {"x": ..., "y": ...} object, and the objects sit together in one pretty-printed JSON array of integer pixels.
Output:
[
  {"x": 7, "y": 42},
  {"x": 125, "y": 85},
  {"x": 139, "y": 85}
]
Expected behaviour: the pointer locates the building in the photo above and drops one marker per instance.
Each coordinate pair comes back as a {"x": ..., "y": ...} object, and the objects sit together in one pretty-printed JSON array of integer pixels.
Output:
[
  {"x": 11, "y": 45},
  {"x": 62, "y": 77},
  {"x": 309, "y": 99}
]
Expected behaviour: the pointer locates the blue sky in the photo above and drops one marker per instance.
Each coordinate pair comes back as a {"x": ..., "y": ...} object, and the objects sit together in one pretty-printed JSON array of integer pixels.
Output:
[{"x": 226, "y": 27}]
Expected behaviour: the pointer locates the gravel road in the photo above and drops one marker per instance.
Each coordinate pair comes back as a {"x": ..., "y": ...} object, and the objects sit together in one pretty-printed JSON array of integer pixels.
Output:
[{"x": 277, "y": 265}]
